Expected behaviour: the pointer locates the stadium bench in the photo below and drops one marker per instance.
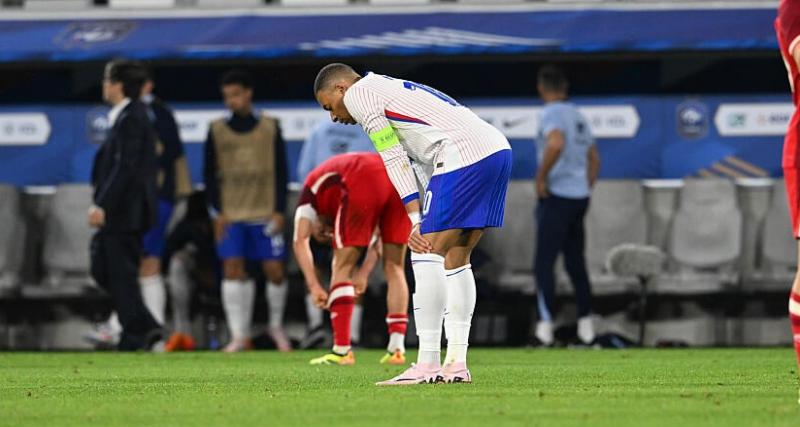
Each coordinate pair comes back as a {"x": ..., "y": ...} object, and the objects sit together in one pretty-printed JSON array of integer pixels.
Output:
[
  {"x": 616, "y": 215},
  {"x": 12, "y": 234},
  {"x": 67, "y": 236},
  {"x": 777, "y": 248},
  {"x": 705, "y": 239}
]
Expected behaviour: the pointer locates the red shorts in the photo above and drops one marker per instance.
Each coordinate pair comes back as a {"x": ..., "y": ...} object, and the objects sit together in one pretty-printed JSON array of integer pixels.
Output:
[
  {"x": 365, "y": 208},
  {"x": 791, "y": 172}
]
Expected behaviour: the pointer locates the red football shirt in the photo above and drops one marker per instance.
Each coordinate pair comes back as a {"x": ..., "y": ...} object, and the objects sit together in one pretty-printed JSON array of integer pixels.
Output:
[
  {"x": 348, "y": 172},
  {"x": 787, "y": 27}
]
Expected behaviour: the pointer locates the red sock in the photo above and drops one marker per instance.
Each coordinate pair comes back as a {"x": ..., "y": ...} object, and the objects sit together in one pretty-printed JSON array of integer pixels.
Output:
[
  {"x": 397, "y": 323},
  {"x": 341, "y": 302},
  {"x": 794, "y": 316}
]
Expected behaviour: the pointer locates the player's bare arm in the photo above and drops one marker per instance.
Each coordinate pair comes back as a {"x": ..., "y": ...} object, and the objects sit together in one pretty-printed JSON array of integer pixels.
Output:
[
  {"x": 220, "y": 227},
  {"x": 278, "y": 220},
  {"x": 400, "y": 174},
  {"x": 305, "y": 258},
  {"x": 593, "y": 165},
  {"x": 555, "y": 144},
  {"x": 416, "y": 242}
]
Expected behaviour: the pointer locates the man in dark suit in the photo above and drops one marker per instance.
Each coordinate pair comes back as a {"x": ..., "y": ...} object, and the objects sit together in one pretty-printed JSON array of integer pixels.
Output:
[{"x": 124, "y": 179}]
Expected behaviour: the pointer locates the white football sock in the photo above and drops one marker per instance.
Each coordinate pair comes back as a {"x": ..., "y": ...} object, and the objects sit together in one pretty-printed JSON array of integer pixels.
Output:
[
  {"x": 397, "y": 342},
  {"x": 341, "y": 349},
  {"x": 355, "y": 323},
  {"x": 154, "y": 295},
  {"x": 314, "y": 314},
  {"x": 237, "y": 299},
  {"x": 180, "y": 289},
  {"x": 461, "y": 296},
  {"x": 429, "y": 300},
  {"x": 544, "y": 332},
  {"x": 113, "y": 323},
  {"x": 277, "y": 294},
  {"x": 586, "y": 329}
]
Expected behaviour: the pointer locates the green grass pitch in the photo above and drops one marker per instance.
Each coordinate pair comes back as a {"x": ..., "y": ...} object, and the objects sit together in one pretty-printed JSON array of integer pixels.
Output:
[{"x": 735, "y": 387}]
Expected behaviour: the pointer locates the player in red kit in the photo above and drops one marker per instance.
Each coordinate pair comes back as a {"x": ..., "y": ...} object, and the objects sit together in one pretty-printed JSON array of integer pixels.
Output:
[
  {"x": 787, "y": 26},
  {"x": 345, "y": 200}
]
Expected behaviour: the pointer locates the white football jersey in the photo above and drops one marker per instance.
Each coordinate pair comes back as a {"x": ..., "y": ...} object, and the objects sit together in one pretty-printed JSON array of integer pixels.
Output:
[{"x": 433, "y": 130}]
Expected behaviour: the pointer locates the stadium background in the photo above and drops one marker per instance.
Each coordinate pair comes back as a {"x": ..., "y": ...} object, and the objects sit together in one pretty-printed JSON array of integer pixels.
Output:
[{"x": 674, "y": 91}]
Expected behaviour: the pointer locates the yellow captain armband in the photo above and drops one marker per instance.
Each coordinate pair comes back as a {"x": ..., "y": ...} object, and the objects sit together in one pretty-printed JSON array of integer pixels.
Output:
[{"x": 384, "y": 139}]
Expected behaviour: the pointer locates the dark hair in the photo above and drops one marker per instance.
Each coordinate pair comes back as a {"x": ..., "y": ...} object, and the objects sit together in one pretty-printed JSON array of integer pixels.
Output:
[
  {"x": 148, "y": 71},
  {"x": 552, "y": 78},
  {"x": 237, "y": 77},
  {"x": 132, "y": 75},
  {"x": 328, "y": 73}
]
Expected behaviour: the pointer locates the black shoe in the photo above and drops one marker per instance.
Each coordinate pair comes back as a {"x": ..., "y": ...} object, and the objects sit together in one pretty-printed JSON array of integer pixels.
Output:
[
  {"x": 535, "y": 342},
  {"x": 315, "y": 338},
  {"x": 154, "y": 340}
]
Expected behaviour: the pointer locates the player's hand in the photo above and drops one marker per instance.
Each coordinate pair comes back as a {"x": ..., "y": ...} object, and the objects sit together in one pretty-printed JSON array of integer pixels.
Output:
[
  {"x": 417, "y": 243},
  {"x": 278, "y": 223},
  {"x": 97, "y": 216},
  {"x": 319, "y": 296},
  {"x": 220, "y": 227},
  {"x": 360, "y": 284},
  {"x": 541, "y": 188}
]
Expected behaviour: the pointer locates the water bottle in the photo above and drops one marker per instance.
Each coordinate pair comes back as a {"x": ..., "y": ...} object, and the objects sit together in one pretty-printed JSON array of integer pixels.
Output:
[{"x": 212, "y": 334}]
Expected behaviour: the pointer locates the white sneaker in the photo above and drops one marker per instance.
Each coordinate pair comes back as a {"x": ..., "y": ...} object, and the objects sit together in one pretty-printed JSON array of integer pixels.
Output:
[
  {"x": 103, "y": 334},
  {"x": 456, "y": 373},
  {"x": 280, "y": 339},
  {"x": 544, "y": 332},
  {"x": 416, "y": 374},
  {"x": 238, "y": 345},
  {"x": 586, "y": 330},
  {"x": 159, "y": 347}
]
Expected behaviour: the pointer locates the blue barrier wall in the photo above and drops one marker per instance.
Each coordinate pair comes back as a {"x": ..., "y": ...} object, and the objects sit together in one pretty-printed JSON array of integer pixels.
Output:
[{"x": 638, "y": 137}]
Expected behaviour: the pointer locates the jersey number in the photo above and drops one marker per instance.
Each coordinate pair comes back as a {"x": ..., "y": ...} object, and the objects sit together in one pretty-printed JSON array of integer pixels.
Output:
[
  {"x": 444, "y": 97},
  {"x": 414, "y": 86},
  {"x": 426, "y": 206}
]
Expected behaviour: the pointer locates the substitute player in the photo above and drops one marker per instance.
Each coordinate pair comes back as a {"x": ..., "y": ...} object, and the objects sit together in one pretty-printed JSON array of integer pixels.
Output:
[
  {"x": 352, "y": 193},
  {"x": 245, "y": 177},
  {"x": 787, "y": 26},
  {"x": 468, "y": 163},
  {"x": 172, "y": 185}
]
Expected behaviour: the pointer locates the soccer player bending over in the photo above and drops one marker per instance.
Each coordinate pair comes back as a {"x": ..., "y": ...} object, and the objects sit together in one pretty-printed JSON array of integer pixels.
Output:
[
  {"x": 468, "y": 164},
  {"x": 344, "y": 199}
]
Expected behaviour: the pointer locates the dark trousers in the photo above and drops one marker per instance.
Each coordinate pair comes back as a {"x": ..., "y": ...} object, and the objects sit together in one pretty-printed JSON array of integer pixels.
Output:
[
  {"x": 560, "y": 230},
  {"x": 115, "y": 267}
]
